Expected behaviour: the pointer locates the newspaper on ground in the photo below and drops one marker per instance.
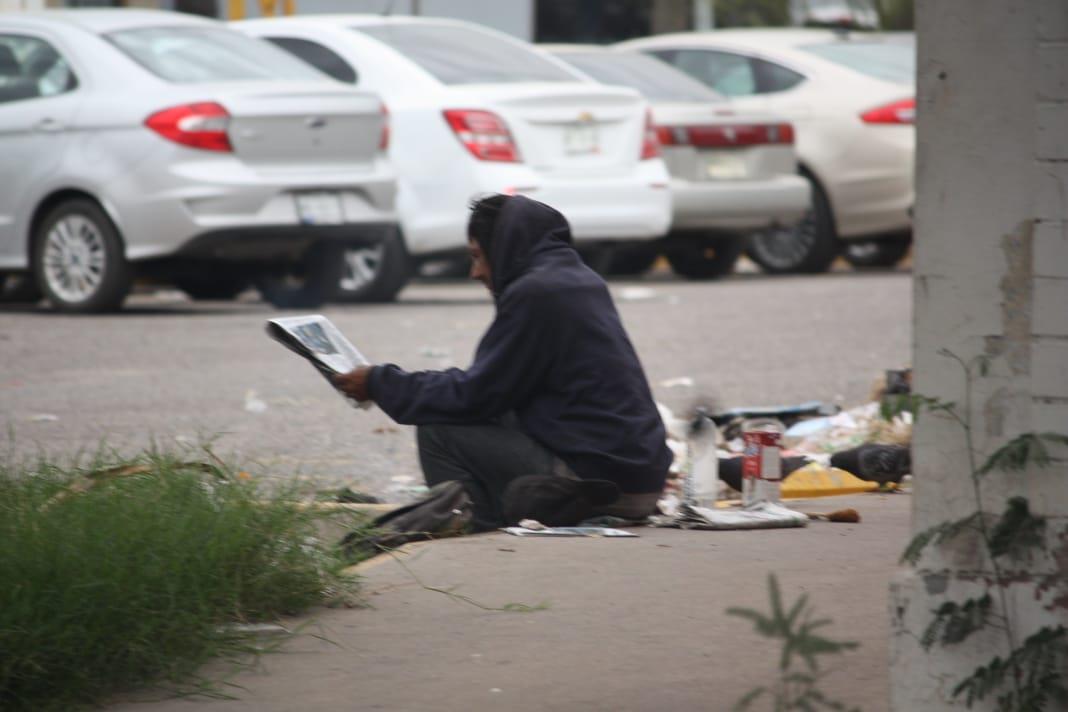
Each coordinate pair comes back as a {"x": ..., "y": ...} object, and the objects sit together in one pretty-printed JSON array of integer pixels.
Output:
[
  {"x": 569, "y": 531},
  {"x": 315, "y": 337},
  {"x": 762, "y": 515}
]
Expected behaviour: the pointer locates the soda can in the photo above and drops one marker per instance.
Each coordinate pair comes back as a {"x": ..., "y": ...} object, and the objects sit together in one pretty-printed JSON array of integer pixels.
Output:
[{"x": 761, "y": 461}]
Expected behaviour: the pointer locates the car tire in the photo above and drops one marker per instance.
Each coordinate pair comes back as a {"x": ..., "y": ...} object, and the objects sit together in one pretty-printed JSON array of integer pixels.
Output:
[
  {"x": 78, "y": 259},
  {"x": 306, "y": 284},
  {"x": 706, "y": 257},
  {"x": 808, "y": 247},
  {"x": 374, "y": 274},
  {"x": 212, "y": 285},
  {"x": 631, "y": 260},
  {"x": 19, "y": 289},
  {"x": 875, "y": 254}
]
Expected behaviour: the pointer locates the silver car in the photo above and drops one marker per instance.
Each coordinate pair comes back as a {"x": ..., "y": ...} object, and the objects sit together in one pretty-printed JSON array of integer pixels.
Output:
[
  {"x": 732, "y": 172},
  {"x": 159, "y": 145}
]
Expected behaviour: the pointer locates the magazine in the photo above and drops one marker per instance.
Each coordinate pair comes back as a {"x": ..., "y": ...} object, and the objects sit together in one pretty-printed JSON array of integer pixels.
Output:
[{"x": 317, "y": 339}]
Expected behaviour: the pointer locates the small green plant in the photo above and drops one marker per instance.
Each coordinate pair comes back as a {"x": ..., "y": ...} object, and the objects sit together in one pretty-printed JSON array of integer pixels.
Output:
[
  {"x": 1034, "y": 672},
  {"x": 797, "y": 686},
  {"x": 122, "y": 573}
]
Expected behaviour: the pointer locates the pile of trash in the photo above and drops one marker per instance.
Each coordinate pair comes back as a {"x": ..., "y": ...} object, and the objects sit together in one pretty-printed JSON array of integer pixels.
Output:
[{"x": 826, "y": 450}]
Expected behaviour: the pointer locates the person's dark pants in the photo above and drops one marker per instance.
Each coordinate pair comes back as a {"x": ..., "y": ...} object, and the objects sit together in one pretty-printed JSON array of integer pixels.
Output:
[{"x": 485, "y": 458}]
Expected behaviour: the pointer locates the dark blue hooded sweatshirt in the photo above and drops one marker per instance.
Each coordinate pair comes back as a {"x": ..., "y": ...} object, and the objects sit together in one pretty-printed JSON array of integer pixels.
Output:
[{"x": 556, "y": 354}]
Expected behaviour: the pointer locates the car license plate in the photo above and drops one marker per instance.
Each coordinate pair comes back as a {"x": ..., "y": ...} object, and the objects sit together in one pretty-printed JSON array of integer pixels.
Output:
[
  {"x": 721, "y": 165},
  {"x": 322, "y": 208},
  {"x": 580, "y": 139}
]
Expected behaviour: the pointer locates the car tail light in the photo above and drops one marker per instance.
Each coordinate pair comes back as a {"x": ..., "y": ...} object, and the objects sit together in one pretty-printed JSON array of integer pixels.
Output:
[
  {"x": 899, "y": 112},
  {"x": 650, "y": 138},
  {"x": 383, "y": 140},
  {"x": 484, "y": 134},
  {"x": 726, "y": 136},
  {"x": 202, "y": 125}
]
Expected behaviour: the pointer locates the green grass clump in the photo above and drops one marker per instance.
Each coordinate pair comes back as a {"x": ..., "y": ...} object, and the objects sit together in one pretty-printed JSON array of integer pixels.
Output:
[{"x": 135, "y": 580}]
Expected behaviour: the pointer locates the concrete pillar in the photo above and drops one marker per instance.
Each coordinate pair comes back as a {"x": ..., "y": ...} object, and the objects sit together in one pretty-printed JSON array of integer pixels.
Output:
[{"x": 990, "y": 280}]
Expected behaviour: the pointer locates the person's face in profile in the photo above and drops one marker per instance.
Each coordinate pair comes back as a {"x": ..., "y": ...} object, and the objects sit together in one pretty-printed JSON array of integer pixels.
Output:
[{"x": 480, "y": 268}]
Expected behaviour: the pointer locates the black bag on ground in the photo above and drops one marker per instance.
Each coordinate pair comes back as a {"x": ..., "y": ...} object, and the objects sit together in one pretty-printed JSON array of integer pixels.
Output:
[{"x": 445, "y": 511}]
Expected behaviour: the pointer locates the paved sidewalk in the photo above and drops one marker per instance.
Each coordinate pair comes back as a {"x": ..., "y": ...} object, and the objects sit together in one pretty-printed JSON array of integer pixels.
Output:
[{"x": 631, "y": 624}]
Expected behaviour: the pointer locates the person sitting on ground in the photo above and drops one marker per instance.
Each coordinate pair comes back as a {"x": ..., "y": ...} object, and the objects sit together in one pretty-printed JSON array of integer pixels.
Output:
[{"x": 554, "y": 420}]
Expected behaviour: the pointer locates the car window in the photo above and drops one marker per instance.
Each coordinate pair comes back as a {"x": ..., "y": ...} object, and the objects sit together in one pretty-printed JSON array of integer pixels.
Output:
[
  {"x": 654, "y": 79},
  {"x": 726, "y": 73},
  {"x": 454, "y": 54},
  {"x": 190, "y": 55},
  {"x": 319, "y": 56},
  {"x": 31, "y": 68},
  {"x": 771, "y": 77},
  {"x": 893, "y": 61}
]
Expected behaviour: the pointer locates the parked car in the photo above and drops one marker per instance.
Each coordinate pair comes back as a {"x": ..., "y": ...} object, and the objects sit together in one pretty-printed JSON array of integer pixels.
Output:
[
  {"x": 731, "y": 172},
  {"x": 851, "y": 99},
  {"x": 474, "y": 111},
  {"x": 152, "y": 143}
]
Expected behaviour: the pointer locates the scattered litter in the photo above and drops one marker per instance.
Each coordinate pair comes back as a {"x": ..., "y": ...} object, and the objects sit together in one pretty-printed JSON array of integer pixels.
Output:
[
  {"x": 847, "y": 516},
  {"x": 680, "y": 382},
  {"x": 43, "y": 418},
  {"x": 435, "y": 352},
  {"x": 814, "y": 480},
  {"x": 637, "y": 294},
  {"x": 607, "y": 532},
  {"x": 253, "y": 404},
  {"x": 185, "y": 440},
  {"x": 762, "y": 515},
  {"x": 496, "y": 689},
  {"x": 255, "y": 629},
  {"x": 385, "y": 429},
  {"x": 351, "y": 496},
  {"x": 401, "y": 478},
  {"x": 501, "y": 548}
]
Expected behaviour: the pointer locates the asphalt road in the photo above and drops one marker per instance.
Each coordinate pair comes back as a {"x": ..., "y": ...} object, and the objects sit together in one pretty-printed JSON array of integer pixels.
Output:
[{"x": 179, "y": 373}]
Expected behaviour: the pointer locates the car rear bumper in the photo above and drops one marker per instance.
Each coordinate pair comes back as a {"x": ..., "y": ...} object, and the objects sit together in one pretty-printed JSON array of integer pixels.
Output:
[
  {"x": 188, "y": 205},
  {"x": 739, "y": 205},
  {"x": 278, "y": 243},
  {"x": 622, "y": 210}
]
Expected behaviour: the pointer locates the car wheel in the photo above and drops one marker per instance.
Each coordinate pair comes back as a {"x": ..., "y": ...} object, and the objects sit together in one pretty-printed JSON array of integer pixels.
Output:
[
  {"x": 872, "y": 254},
  {"x": 810, "y": 246},
  {"x": 706, "y": 257},
  {"x": 212, "y": 285},
  {"x": 306, "y": 284},
  {"x": 631, "y": 260},
  {"x": 78, "y": 259},
  {"x": 374, "y": 274}
]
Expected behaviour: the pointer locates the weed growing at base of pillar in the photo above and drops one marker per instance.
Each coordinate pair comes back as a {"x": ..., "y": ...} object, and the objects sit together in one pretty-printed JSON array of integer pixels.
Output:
[{"x": 1033, "y": 673}]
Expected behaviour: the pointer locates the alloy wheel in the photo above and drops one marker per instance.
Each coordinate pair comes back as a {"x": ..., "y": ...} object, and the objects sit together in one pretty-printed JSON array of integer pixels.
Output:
[
  {"x": 74, "y": 258},
  {"x": 361, "y": 267}
]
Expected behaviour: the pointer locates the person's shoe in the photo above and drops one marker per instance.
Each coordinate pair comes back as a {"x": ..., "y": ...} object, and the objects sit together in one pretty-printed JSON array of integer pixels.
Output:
[
  {"x": 445, "y": 511},
  {"x": 875, "y": 463}
]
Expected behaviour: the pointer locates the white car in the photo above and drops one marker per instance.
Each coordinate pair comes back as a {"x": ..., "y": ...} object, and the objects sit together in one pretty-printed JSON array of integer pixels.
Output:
[
  {"x": 851, "y": 99},
  {"x": 731, "y": 172},
  {"x": 474, "y": 111},
  {"x": 144, "y": 143}
]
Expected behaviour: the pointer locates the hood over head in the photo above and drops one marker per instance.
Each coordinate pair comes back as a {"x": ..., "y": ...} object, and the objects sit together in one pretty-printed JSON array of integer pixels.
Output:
[{"x": 523, "y": 230}]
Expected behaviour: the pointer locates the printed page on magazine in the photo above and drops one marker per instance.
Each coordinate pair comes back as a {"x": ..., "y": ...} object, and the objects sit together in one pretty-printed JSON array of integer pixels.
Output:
[{"x": 315, "y": 337}]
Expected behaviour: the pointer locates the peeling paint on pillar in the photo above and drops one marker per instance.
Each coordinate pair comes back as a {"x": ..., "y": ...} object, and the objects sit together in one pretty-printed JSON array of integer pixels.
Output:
[{"x": 1017, "y": 290}]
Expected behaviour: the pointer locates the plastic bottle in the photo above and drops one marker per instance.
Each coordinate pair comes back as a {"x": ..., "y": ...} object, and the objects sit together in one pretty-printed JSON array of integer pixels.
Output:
[{"x": 703, "y": 489}]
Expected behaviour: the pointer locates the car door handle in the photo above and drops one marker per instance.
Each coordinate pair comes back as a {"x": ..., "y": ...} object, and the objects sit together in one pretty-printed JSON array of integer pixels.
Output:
[{"x": 49, "y": 125}]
